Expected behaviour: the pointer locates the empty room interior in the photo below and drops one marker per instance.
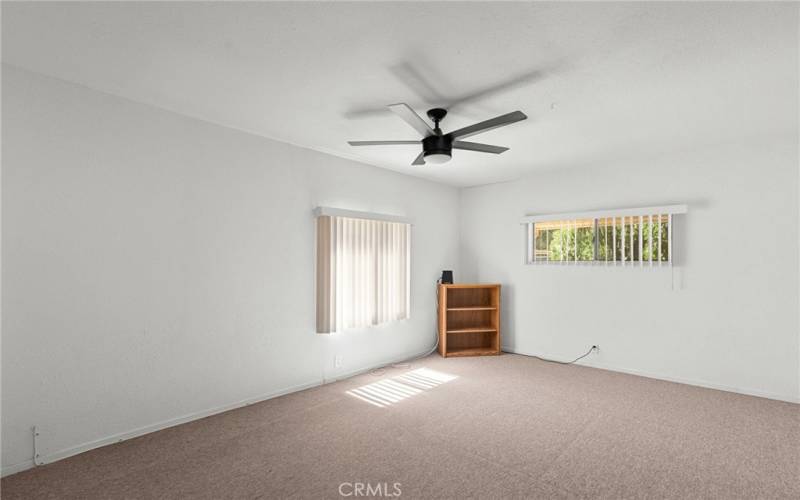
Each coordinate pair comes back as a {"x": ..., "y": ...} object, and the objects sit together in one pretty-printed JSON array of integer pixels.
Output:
[{"x": 400, "y": 250}]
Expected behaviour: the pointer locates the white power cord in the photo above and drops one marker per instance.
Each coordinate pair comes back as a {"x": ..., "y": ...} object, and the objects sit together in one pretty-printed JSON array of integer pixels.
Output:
[{"x": 561, "y": 362}]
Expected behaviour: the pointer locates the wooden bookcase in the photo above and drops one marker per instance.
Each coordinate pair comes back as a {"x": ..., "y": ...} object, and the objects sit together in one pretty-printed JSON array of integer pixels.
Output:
[{"x": 469, "y": 320}]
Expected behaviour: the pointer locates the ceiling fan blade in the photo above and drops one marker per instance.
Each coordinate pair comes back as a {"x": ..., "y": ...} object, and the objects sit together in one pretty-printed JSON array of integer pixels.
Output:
[
  {"x": 419, "y": 160},
  {"x": 380, "y": 143},
  {"x": 521, "y": 79},
  {"x": 414, "y": 80},
  {"x": 487, "y": 125},
  {"x": 483, "y": 148},
  {"x": 518, "y": 81},
  {"x": 409, "y": 116}
]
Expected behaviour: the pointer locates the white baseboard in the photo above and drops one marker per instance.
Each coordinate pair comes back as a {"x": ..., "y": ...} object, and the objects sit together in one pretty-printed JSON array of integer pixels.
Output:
[
  {"x": 658, "y": 376},
  {"x": 140, "y": 431},
  {"x": 116, "y": 438},
  {"x": 19, "y": 467},
  {"x": 123, "y": 436}
]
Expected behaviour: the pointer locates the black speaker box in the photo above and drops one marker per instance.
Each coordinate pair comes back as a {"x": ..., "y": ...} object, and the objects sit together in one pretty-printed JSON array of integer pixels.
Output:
[{"x": 447, "y": 277}]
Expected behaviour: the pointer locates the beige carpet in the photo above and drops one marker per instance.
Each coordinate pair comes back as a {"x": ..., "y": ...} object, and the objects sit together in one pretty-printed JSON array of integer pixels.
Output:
[{"x": 491, "y": 427}]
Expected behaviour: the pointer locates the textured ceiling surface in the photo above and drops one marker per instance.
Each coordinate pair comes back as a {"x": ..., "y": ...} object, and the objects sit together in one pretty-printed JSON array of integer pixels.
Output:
[{"x": 597, "y": 80}]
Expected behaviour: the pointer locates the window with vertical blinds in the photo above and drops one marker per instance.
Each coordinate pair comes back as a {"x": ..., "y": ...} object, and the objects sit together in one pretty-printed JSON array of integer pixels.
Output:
[
  {"x": 640, "y": 236},
  {"x": 362, "y": 271}
]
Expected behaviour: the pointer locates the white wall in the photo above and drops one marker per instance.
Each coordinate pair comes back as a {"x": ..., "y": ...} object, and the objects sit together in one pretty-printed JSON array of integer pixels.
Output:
[
  {"x": 157, "y": 267},
  {"x": 732, "y": 320}
]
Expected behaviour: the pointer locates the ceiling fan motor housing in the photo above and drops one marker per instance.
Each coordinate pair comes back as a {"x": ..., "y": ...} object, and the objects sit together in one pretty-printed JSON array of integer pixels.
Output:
[{"x": 438, "y": 144}]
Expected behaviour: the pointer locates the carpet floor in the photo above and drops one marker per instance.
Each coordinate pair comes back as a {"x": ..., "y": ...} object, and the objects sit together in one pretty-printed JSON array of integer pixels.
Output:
[{"x": 490, "y": 427}]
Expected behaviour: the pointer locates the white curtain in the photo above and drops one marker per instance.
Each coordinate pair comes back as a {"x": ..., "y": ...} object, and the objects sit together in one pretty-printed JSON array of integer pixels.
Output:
[{"x": 362, "y": 272}]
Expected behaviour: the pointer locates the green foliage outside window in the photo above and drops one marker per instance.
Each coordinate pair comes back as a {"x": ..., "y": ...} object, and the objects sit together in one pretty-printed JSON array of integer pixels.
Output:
[{"x": 617, "y": 240}]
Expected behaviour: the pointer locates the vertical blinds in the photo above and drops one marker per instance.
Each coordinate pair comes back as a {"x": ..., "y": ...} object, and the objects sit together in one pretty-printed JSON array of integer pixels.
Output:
[
  {"x": 641, "y": 237},
  {"x": 362, "y": 272}
]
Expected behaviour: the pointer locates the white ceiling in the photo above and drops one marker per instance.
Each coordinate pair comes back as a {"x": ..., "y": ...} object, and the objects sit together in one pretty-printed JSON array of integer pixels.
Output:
[{"x": 598, "y": 81}]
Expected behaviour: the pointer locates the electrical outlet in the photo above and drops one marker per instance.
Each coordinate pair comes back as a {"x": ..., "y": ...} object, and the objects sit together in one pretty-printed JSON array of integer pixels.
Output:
[{"x": 337, "y": 361}]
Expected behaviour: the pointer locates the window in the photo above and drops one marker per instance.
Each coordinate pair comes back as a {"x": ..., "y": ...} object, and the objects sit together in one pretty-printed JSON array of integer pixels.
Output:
[
  {"x": 564, "y": 240},
  {"x": 640, "y": 236},
  {"x": 362, "y": 269}
]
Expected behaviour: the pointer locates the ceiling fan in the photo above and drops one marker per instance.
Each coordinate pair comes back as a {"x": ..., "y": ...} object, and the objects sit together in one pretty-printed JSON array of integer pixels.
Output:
[{"x": 437, "y": 147}]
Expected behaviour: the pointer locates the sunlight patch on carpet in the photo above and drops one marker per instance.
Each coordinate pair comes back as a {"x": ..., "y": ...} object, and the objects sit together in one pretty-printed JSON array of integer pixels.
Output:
[{"x": 394, "y": 390}]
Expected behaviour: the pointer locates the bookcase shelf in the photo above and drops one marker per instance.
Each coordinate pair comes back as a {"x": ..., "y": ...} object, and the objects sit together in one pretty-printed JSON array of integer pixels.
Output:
[
  {"x": 476, "y": 308},
  {"x": 471, "y": 351},
  {"x": 472, "y": 330},
  {"x": 469, "y": 320}
]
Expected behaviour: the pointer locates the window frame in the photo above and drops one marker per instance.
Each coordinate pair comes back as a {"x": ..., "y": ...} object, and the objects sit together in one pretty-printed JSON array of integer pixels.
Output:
[{"x": 600, "y": 217}]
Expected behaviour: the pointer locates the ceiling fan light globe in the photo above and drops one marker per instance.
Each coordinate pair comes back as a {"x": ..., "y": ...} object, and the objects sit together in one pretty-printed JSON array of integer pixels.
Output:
[{"x": 437, "y": 158}]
